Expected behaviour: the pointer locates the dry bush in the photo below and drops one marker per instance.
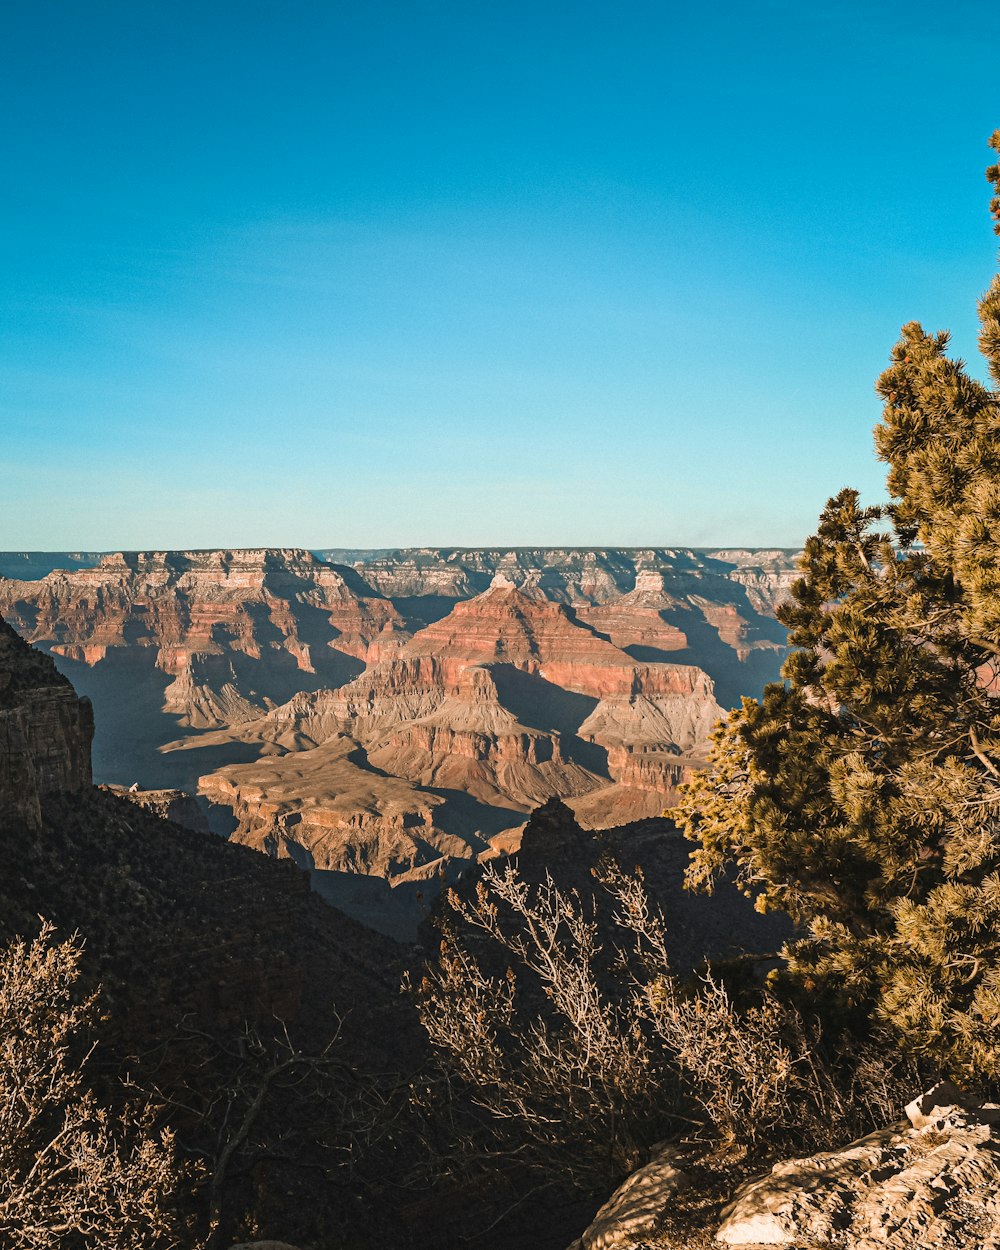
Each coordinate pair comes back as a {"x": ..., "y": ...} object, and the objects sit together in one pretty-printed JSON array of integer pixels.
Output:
[
  {"x": 582, "y": 1048},
  {"x": 748, "y": 1070},
  {"x": 72, "y": 1173},
  {"x": 549, "y": 1046},
  {"x": 269, "y": 1110},
  {"x": 768, "y": 1080}
]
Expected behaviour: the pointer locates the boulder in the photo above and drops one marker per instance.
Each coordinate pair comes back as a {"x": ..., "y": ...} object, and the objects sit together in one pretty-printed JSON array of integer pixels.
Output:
[
  {"x": 634, "y": 1209},
  {"x": 932, "y": 1181}
]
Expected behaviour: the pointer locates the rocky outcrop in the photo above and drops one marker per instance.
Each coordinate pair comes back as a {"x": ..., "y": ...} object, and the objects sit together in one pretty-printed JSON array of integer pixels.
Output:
[
  {"x": 174, "y": 805},
  {"x": 327, "y": 809},
  {"x": 45, "y": 733},
  {"x": 634, "y": 1210},
  {"x": 931, "y": 1182},
  {"x": 767, "y": 576},
  {"x": 554, "y": 842},
  {"x": 566, "y": 575},
  {"x": 232, "y": 631},
  {"x": 639, "y": 618}
]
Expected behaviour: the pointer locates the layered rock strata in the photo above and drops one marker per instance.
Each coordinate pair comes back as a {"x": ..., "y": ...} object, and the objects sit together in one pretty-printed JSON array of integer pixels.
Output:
[
  {"x": 575, "y": 575},
  {"x": 391, "y": 712},
  {"x": 326, "y": 810},
  {"x": 233, "y": 632},
  {"x": 508, "y": 699}
]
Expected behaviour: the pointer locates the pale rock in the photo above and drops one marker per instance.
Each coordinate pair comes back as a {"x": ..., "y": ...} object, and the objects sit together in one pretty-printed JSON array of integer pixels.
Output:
[
  {"x": 635, "y": 1208},
  {"x": 932, "y": 1182},
  {"x": 922, "y": 1111}
]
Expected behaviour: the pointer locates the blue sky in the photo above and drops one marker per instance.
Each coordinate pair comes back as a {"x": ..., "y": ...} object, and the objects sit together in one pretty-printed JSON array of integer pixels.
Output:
[{"x": 416, "y": 273}]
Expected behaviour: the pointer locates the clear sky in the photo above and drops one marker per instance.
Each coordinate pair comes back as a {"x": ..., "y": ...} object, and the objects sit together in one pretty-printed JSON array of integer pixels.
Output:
[{"x": 422, "y": 273}]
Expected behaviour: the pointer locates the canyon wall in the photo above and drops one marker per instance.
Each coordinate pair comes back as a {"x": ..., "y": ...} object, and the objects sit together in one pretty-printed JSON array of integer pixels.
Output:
[
  {"x": 45, "y": 733},
  {"x": 209, "y": 958},
  {"x": 391, "y": 713}
]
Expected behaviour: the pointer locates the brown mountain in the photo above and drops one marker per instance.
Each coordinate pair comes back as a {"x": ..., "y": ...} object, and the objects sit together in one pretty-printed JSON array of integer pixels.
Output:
[
  {"x": 394, "y": 714},
  {"x": 509, "y": 699}
]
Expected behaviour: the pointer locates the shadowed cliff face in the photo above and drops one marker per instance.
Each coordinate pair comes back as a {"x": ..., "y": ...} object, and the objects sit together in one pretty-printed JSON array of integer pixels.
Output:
[
  {"x": 406, "y": 710},
  {"x": 45, "y": 733},
  {"x": 193, "y": 942}
]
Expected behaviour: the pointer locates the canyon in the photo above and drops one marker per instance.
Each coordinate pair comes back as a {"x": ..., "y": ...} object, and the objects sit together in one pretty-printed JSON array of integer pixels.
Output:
[
  {"x": 225, "y": 982},
  {"x": 393, "y": 715}
]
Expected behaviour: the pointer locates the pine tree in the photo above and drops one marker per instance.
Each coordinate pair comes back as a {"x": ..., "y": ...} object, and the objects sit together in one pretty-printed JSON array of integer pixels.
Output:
[{"x": 862, "y": 796}]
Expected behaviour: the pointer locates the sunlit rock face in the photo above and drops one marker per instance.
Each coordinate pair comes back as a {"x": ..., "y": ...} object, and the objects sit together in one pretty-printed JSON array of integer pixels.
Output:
[
  {"x": 508, "y": 700},
  {"x": 231, "y": 631},
  {"x": 393, "y": 714}
]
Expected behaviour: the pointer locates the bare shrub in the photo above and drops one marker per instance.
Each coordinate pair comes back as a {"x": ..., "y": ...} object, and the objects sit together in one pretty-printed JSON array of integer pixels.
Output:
[
  {"x": 550, "y": 1045},
  {"x": 267, "y": 1105},
  {"x": 753, "y": 1071},
  {"x": 767, "y": 1079},
  {"x": 72, "y": 1173},
  {"x": 568, "y": 1029}
]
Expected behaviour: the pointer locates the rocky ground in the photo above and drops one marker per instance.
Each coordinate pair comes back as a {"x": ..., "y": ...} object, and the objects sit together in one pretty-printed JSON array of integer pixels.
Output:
[{"x": 929, "y": 1181}]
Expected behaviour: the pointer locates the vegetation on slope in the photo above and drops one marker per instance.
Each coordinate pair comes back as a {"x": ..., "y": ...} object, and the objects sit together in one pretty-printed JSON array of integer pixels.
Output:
[{"x": 863, "y": 795}]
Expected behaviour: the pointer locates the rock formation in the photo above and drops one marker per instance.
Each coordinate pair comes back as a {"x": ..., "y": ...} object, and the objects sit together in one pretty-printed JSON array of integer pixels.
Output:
[
  {"x": 632, "y": 1213},
  {"x": 573, "y": 575},
  {"x": 509, "y": 699},
  {"x": 554, "y": 842},
  {"x": 326, "y": 810},
  {"x": 175, "y": 805},
  {"x": 931, "y": 1182},
  {"x": 766, "y": 575},
  {"x": 395, "y": 711},
  {"x": 45, "y": 733}
]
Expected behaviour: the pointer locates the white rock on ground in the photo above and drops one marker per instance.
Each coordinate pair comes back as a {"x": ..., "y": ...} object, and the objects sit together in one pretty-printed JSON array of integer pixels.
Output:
[
  {"x": 932, "y": 1182},
  {"x": 635, "y": 1208}
]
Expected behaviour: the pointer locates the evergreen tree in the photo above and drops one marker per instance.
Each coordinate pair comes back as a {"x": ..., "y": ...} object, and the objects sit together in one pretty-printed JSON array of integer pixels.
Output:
[{"x": 863, "y": 794}]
